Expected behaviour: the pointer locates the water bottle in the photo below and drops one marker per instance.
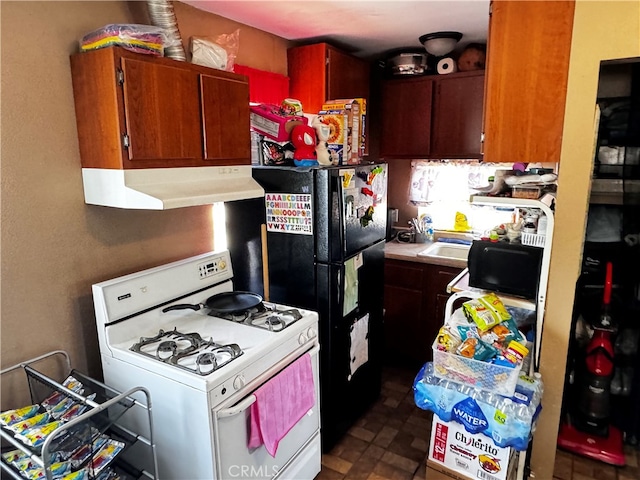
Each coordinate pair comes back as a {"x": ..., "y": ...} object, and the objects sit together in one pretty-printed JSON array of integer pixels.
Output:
[
  {"x": 428, "y": 227},
  {"x": 542, "y": 225}
]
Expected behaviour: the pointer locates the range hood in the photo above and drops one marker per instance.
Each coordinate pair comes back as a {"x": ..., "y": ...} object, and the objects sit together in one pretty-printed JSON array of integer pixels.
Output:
[{"x": 166, "y": 188}]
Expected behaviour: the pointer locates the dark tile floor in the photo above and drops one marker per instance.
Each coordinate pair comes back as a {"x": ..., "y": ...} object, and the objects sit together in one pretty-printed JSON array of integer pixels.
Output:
[{"x": 392, "y": 439}]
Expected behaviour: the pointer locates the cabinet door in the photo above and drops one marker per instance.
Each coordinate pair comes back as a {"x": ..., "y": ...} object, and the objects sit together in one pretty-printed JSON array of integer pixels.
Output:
[
  {"x": 439, "y": 309},
  {"x": 347, "y": 76},
  {"x": 406, "y": 118},
  {"x": 527, "y": 69},
  {"x": 404, "y": 322},
  {"x": 457, "y": 115},
  {"x": 438, "y": 277},
  {"x": 225, "y": 119},
  {"x": 320, "y": 72},
  {"x": 404, "y": 331},
  {"x": 308, "y": 75},
  {"x": 162, "y": 113}
]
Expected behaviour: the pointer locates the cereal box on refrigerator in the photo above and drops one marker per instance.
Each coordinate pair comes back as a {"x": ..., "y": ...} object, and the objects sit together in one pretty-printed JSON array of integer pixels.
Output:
[{"x": 346, "y": 119}]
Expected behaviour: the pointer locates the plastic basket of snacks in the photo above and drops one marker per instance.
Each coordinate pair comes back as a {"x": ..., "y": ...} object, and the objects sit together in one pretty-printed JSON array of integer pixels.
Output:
[{"x": 480, "y": 345}]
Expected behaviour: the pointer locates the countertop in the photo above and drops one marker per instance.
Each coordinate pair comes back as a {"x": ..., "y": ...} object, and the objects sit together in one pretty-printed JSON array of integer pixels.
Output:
[{"x": 409, "y": 252}]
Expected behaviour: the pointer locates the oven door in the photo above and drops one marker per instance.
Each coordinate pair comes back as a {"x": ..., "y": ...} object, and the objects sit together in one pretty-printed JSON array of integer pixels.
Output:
[{"x": 299, "y": 452}]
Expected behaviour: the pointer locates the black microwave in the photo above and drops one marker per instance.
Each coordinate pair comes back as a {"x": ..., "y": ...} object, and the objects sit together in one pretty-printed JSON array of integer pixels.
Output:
[{"x": 505, "y": 267}]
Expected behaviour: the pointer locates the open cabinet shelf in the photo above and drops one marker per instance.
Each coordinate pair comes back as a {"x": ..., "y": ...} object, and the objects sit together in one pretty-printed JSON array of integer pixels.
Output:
[
  {"x": 616, "y": 173},
  {"x": 93, "y": 440}
]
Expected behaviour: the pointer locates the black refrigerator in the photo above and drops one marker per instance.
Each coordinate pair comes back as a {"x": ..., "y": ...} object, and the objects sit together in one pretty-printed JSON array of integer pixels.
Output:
[{"x": 325, "y": 235}]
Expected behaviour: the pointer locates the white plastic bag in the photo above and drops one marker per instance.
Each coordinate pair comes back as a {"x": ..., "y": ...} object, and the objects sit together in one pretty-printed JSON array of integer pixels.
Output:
[{"x": 216, "y": 52}]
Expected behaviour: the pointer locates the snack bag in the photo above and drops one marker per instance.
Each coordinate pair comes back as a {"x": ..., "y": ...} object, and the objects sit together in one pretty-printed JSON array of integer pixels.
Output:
[
  {"x": 72, "y": 412},
  {"x": 486, "y": 312},
  {"x": 473, "y": 347},
  {"x": 36, "y": 436},
  {"x": 77, "y": 475},
  {"x": 14, "y": 456},
  {"x": 12, "y": 416},
  {"x": 448, "y": 339},
  {"x": 34, "y": 421},
  {"x": 515, "y": 352},
  {"x": 56, "y": 397},
  {"x": 60, "y": 408},
  {"x": 57, "y": 470},
  {"x": 500, "y": 335},
  {"x": 107, "y": 452}
]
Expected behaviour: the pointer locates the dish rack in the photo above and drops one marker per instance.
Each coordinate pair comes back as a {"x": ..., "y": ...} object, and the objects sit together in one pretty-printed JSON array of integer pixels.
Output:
[
  {"x": 105, "y": 417},
  {"x": 533, "y": 239}
]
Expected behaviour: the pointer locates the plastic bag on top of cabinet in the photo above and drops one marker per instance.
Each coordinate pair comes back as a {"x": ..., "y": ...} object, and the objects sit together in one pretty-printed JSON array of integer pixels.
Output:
[
  {"x": 145, "y": 39},
  {"x": 216, "y": 52}
]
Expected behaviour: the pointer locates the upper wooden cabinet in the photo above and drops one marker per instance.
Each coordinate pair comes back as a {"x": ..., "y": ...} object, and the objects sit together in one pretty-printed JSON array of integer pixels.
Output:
[
  {"x": 457, "y": 115},
  {"x": 437, "y": 116},
  {"x": 405, "y": 115},
  {"x": 137, "y": 111},
  {"x": 320, "y": 72},
  {"x": 527, "y": 69}
]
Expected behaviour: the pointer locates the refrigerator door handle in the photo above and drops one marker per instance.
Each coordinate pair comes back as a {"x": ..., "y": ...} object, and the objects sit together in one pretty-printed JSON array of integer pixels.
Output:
[{"x": 342, "y": 212}]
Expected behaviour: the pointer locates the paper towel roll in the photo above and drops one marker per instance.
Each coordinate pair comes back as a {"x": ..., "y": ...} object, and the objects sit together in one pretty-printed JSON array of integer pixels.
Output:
[{"x": 446, "y": 65}]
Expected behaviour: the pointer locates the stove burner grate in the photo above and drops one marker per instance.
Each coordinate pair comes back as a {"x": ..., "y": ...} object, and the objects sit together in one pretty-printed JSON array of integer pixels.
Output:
[
  {"x": 265, "y": 316},
  {"x": 212, "y": 358},
  {"x": 176, "y": 348}
]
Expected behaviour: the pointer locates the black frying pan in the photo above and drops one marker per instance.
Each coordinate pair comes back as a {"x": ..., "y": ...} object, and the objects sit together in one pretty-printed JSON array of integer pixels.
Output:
[{"x": 227, "y": 302}]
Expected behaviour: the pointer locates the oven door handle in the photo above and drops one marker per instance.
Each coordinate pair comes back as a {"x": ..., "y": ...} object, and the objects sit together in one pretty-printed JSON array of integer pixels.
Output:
[
  {"x": 251, "y": 399},
  {"x": 238, "y": 408}
]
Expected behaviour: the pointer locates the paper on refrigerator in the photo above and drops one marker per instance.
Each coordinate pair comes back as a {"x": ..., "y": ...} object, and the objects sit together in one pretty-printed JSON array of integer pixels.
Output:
[{"x": 359, "y": 349}]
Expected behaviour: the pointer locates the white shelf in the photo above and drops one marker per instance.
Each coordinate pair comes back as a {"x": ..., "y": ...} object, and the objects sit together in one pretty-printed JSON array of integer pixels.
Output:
[{"x": 461, "y": 282}]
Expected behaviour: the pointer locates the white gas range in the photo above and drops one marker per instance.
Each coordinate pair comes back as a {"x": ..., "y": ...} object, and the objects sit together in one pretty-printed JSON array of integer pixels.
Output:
[{"x": 201, "y": 369}]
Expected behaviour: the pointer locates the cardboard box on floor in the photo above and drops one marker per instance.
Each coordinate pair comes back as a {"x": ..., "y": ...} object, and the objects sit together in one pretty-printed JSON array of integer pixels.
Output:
[
  {"x": 456, "y": 453},
  {"x": 346, "y": 118},
  {"x": 438, "y": 472}
]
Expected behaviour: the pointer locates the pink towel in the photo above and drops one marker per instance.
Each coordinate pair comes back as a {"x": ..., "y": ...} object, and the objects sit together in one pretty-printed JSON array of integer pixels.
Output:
[{"x": 281, "y": 403}]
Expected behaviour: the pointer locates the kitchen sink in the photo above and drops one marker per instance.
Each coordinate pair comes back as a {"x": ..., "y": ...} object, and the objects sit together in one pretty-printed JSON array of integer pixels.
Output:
[{"x": 450, "y": 251}]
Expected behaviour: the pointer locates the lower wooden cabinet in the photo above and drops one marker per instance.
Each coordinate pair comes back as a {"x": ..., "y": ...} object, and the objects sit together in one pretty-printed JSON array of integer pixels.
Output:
[{"x": 414, "y": 300}]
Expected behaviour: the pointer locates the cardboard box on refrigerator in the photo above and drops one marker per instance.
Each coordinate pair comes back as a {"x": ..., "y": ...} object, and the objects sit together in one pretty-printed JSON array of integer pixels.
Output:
[
  {"x": 346, "y": 118},
  {"x": 467, "y": 456},
  {"x": 272, "y": 122}
]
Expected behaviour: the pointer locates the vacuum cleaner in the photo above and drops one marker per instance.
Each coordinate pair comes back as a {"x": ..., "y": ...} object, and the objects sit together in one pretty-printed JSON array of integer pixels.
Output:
[{"x": 586, "y": 429}]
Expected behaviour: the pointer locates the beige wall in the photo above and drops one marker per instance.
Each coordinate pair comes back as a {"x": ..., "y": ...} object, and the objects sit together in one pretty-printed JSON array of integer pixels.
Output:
[
  {"x": 257, "y": 49},
  {"x": 54, "y": 246},
  {"x": 602, "y": 30}
]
